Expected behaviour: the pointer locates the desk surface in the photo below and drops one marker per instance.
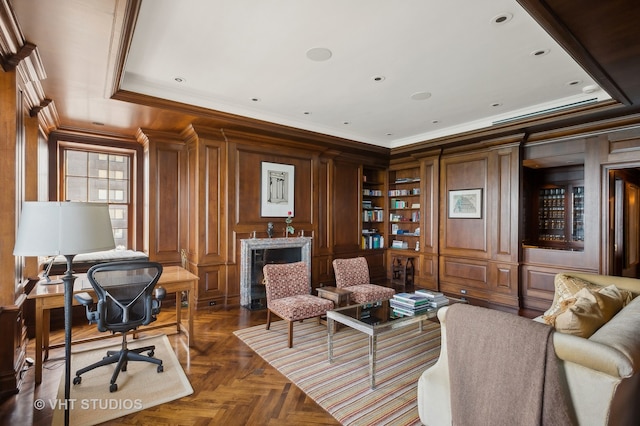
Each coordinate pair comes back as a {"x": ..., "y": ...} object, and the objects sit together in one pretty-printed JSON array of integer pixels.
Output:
[{"x": 170, "y": 274}]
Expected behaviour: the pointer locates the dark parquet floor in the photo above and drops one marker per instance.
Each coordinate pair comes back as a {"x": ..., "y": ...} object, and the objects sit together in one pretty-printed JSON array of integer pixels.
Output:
[{"x": 232, "y": 385}]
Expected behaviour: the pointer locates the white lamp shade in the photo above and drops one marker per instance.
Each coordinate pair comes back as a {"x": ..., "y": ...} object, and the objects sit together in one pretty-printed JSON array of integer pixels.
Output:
[{"x": 67, "y": 228}]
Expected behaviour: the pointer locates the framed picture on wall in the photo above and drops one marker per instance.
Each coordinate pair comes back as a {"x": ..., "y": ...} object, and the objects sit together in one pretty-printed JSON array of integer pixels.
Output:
[
  {"x": 276, "y": 196},
  {"x": 465, "y": 203}
]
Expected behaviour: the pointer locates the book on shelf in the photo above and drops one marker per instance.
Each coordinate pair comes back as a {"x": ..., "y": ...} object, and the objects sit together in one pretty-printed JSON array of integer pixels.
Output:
[
  {"x": 408, "y": 179},
  {"x": 372, "y": 241},
  {"x": 399, "y": 244}
]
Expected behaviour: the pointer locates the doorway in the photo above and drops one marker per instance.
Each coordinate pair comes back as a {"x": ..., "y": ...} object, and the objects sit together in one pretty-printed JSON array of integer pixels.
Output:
[{"x": 624, "y": 222}]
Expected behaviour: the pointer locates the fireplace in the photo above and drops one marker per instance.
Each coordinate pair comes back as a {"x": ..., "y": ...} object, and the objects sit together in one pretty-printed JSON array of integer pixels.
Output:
[{"x": 257, "y": 252}]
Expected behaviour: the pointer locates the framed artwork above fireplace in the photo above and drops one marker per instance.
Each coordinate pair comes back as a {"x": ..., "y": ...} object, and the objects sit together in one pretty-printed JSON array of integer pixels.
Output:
[{"x": 276, "y": 195}]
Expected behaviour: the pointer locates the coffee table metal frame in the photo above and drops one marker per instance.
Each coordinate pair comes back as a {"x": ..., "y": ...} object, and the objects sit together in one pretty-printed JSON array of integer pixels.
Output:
[{"x": 372, "y": 330}]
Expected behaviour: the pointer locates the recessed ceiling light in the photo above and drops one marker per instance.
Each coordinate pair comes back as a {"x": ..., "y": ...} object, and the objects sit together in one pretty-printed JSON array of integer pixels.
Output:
[
  {"x": 255, "y": 99},
  {"x": 346, "y": 122},
  {"x": 496, "y": 104},
  {"x": 590, "y": 88},
  {"x": 420, "y": 96},
  {"x": 502, "y": 18},
  {"x": 179, "y": 79},
  {"x": 389, "y": 134},
  {"x": 378, "y": 78},
  {"x": 435, "y": 121},
  {"x": 307, "y": 113},
  {"x": 319, "y": 54},
  {"x": 573, "y": 82},
  {"x": 540, "y": 52}
]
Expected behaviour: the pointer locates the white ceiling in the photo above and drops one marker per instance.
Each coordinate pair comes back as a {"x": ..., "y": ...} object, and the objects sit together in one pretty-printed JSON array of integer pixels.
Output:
[{"x": 249, "y": 57}]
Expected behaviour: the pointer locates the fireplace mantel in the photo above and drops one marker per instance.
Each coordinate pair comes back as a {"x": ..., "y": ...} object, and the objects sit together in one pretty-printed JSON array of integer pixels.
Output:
[{"x": 248, "y": 246}]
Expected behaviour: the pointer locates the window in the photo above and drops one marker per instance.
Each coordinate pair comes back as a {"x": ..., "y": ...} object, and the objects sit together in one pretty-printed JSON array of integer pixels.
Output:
[{"x": 104, "y": 177}]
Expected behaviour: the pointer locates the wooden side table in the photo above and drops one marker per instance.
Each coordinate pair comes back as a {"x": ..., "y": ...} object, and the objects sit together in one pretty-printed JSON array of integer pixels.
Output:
[
  {"x": 340, "y": 298},
  {"x": 402, "y": 272}
]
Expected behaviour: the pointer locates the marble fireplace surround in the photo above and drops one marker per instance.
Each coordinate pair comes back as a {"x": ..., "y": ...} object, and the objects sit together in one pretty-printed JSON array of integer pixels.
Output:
[{"x": 247, "y": 246}]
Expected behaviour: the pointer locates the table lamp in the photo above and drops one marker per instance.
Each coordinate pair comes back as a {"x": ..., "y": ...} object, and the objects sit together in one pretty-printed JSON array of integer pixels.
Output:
[{"x": 64, "y": 228}]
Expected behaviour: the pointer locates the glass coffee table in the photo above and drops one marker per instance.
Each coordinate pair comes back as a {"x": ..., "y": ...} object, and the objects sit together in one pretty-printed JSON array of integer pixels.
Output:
[{"x": 372, "y": 319}]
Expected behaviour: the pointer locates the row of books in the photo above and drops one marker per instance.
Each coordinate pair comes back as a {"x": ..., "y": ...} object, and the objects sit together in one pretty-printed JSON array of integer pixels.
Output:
[
  {"x": 372, "y": 192},
  {"x": 372, "y": 215},
  {"x": 405, "y": 180},
  {"x": 404, "y": 192},
  {"x": 395, "y": 217},
  {"x": 372, "y": 242}
]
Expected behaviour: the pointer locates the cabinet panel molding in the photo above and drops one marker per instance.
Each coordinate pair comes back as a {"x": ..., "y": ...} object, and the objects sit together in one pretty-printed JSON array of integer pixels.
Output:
[
  {"x": 467, "y": 237},
  {"x": 464, "y": 271},
  {"x": 211, "y": 285},
  {"x": 166, "y": 166}
]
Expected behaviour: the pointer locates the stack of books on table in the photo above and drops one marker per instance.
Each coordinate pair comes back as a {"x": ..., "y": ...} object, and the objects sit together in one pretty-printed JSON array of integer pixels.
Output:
[
  {"x": 436, "y": 299},
  {"x": 409, "y": 304}
]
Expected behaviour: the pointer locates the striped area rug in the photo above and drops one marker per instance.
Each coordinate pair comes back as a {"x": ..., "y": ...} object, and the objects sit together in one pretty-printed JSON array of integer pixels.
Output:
[{"x": 342, "y": 388}]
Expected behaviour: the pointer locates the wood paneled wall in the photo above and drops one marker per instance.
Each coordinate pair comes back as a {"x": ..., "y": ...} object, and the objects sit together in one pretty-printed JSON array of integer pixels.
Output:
[
  {"x": 479, "y": 256},
  {"x": 165, "y": 202},
  {"x": 204, "y": 196}
]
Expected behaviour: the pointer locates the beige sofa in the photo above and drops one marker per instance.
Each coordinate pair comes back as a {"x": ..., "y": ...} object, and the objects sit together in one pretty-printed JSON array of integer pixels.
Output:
[{"x": 602, "y": 372}]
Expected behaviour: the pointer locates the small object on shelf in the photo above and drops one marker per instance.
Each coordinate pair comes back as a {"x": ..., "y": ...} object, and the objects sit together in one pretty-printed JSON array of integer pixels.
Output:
[
  {"x": 399, "y": 244},
  {"x": 289, "y": 229}
]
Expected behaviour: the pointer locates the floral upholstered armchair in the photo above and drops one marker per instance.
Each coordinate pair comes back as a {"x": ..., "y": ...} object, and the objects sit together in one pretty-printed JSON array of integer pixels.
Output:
[
  {"x": 353, "y": 275},
  {"x": 289, "y": 294}
]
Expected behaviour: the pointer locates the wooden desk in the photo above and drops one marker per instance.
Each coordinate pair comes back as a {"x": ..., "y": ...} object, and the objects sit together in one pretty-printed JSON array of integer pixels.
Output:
[{"x": 49, "y": 296}]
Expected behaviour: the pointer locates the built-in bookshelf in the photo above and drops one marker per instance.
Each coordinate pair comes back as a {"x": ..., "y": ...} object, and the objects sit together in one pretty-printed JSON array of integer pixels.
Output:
[
  {"x": 404, "y": 208},
  {"x": 556, "y": 208},
  {"x": 373, "y": 208}
]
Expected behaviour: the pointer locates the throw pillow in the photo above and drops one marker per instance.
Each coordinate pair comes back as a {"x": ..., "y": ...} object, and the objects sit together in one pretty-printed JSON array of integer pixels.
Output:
[
  {"x": 565, "y": 288},
  {"x": 587, "y": 311},
  {"x": 611, "y": 300},
  {"x": 582, "y": 317}
]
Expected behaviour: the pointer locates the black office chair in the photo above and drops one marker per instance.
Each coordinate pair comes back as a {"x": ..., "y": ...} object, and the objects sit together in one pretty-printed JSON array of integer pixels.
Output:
[{"x": 125, "y": 302}]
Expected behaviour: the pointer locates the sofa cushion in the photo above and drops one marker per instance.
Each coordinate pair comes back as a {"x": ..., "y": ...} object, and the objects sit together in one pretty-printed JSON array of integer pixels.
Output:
[{"x": 621, "y": 333}]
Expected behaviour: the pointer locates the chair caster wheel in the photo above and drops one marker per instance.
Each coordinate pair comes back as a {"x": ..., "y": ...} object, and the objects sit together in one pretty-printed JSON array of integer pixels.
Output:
[
  {"x": 150, "y": 353},
  {"x": 113, "y": 387},
  {"x": 160, "y": 369},
  {"x": 77, "y": 380}
]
